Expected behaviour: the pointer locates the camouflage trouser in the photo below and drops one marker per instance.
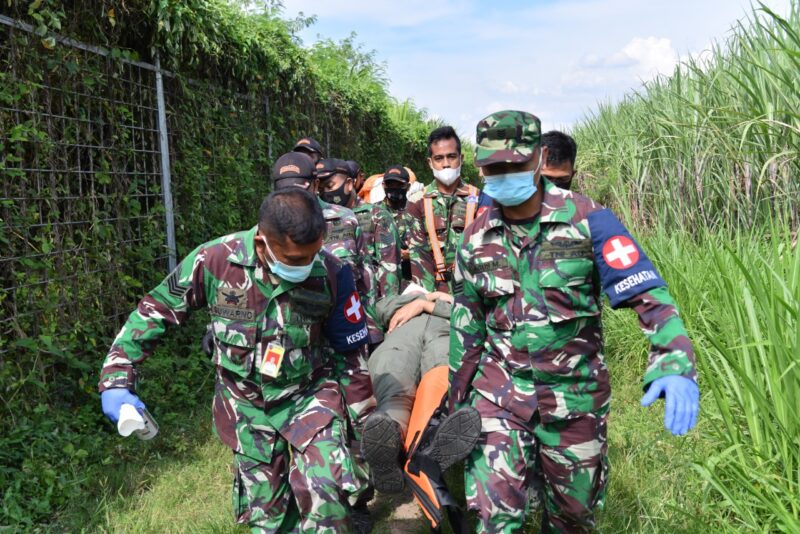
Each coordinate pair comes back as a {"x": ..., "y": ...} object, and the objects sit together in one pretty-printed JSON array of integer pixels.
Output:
[
  {"x": 356, "y": 388},
  {"x": 297, "y": 491},
  {"x": 571, "y": 457}
]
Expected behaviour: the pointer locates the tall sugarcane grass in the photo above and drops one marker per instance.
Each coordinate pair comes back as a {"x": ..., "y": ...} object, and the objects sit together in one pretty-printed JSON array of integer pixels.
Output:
[
  {"x": 740, "y": 299},
  {"x": 713, "y": 146},
  {"x": 708, "y": 161},
  {"x": 753, "y": 371}
]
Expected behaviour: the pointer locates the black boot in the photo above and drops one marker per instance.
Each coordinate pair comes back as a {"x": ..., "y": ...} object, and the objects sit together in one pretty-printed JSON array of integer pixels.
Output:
[
  {"x": 455, "y": 437},
  {"x": 362, "y": 522},
  {"x": 382, "y": 446}
]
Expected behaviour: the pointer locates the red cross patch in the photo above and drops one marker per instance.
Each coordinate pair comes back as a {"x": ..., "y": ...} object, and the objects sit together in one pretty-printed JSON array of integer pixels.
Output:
[
  {"x": 353, "y": 311},
  {"x": 620, "y": 252}
]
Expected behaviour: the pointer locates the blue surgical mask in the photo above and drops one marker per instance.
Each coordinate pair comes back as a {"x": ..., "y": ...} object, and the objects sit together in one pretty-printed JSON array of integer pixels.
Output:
[
  {"x": 514, "y": 188},
  {"x": 290, "y": 273},
  {"x": 511, "y": 189}
]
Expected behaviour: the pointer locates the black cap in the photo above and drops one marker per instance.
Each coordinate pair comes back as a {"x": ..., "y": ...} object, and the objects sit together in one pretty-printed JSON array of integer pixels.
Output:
[
  {"x": 293, "y": 165},
  {"x": 397, "y": 173},
  {"x": 329, "y": 166},
  {"x": 308, "y": 143},
  {"x": 353, "y": 168}
]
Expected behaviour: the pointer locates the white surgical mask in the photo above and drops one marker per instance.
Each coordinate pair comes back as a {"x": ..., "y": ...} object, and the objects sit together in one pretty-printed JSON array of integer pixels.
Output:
[{"x": 448, "y": 175}]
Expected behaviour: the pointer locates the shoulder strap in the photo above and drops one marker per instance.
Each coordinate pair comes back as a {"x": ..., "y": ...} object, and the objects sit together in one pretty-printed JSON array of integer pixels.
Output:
[
  {"x": 436, "y": 247},
  {"x": 472, "y": 205}
]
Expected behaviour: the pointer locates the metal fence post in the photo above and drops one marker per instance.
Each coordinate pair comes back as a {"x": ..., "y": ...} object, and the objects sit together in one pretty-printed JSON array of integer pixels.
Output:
[
  {"x": 269, "y": 128},
  {"x": 166, "y": 179}
]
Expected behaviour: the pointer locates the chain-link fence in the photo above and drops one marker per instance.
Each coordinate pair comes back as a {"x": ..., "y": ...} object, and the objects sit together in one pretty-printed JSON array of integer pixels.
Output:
[
  {"x": 85, "y": 211},
  {"x": 81, "y": 189}
]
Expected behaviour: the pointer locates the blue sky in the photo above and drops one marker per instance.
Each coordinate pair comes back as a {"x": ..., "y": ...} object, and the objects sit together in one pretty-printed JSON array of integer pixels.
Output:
[{"x": 555, "y": 58}]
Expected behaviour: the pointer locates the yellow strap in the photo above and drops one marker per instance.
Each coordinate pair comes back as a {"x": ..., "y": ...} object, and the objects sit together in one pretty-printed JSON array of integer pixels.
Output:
[{"x": 436, "y": 247}]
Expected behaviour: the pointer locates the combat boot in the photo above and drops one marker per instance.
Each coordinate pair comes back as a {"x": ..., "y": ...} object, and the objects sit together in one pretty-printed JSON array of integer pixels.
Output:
[
  {"x": 382, "y": 446},
  {"x": 444, "y": 442},
  {"x": 455, "y": 437}
]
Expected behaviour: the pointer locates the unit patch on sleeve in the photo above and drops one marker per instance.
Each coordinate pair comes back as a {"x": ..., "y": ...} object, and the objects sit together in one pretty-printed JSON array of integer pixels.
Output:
[{"x": 625, "y": 270}]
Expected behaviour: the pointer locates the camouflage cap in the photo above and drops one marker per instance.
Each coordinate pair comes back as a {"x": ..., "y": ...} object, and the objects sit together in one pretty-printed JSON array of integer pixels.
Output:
[{"x": 506, "y": 136}]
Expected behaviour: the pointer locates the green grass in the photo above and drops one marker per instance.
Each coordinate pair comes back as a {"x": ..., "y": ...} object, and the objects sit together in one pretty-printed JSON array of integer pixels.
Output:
[
  {"x": 736, "y": 471},
  {"x": 656, "y": 483},
  {"x": 190, "y": 495}
]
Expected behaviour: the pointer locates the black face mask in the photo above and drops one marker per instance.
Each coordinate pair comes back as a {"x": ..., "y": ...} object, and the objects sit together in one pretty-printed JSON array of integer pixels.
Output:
[
  {"x": 397, "y": 198},
  {"x": 563, "y": 182},
  {"x": 337, "y": 196}
]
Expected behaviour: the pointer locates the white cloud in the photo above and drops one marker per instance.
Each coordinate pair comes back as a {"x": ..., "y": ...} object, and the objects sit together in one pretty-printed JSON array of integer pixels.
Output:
[
  {"x": 645, "y": 56},
  {"x": 650, "y": 56},
  {"x": 510, "y": 88},
  {"x": 462, "y": 60},
  {"x": 407, "y": 13}
]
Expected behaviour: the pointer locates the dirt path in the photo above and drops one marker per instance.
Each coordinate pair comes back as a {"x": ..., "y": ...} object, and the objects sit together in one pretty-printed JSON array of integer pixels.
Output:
[{"x": 397, "y": 514}]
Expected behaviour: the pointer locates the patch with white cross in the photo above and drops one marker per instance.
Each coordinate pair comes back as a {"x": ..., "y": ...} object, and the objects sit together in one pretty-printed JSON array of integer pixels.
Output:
[
  {"x": 353, "y": 311},
  {"x": 620, "y": 252},
  {"x": 346, "y": 326},
  {"x": 624, "y": 269}
]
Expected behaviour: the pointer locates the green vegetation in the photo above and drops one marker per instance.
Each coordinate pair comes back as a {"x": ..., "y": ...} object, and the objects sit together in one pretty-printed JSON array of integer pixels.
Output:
[
  {"x": 705, "y": 164},
  {"x": 81, "y": 221},
  {"x": 715, "y": 146}
]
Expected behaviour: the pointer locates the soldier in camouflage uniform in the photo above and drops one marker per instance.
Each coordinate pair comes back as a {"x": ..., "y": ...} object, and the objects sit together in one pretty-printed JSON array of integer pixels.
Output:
[
  {"x": 453, "y": 205},
  {"x": 559, "y": 167},
  {"x": 526, "y": 339},
  {"x": 357, "y": 174},
  {"x": 380, "y": 233},
  {"x": 281, "y": 310},
  {"x": 310, "y": 147},
  {"x": 345, "y": 240},
  {"x": 396, "y": 181}
]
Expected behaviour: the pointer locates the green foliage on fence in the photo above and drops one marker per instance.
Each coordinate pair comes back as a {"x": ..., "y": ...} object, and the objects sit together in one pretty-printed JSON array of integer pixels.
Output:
[{"x": 81, "y": 219}]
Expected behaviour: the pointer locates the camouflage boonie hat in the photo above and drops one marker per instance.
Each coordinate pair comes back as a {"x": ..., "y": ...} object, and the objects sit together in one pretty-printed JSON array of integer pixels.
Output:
[{"x": 507, "y": 136}]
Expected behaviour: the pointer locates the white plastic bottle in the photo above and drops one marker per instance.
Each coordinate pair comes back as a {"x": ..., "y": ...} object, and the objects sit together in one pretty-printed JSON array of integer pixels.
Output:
[{"x": 131, "y": 421}]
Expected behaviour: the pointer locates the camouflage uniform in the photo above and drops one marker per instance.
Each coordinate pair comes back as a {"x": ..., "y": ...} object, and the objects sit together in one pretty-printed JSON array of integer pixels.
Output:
[
  {"x": 527, "y": 352},
  {"x": 345, "y": 240},
  {"x": 383, "y": 247},
  {"x": 401, "y": 222},
  {"x": 293, "y": 470},
  {"x": 449, "y": 217}
]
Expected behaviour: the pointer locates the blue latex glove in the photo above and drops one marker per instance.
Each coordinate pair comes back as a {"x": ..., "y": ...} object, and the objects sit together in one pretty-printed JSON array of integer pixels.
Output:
[
  {"x": 682, "y": 398},
  {"x": 113, "y": 399}
]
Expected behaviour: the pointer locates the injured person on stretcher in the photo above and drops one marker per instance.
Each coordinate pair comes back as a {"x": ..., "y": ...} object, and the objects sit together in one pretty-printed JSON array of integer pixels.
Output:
[{"x": 409, "y": 438}]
